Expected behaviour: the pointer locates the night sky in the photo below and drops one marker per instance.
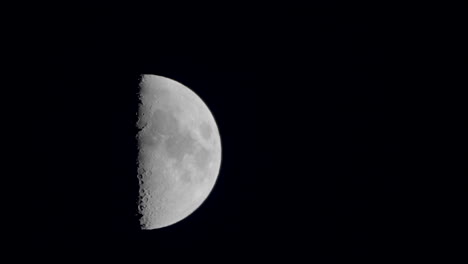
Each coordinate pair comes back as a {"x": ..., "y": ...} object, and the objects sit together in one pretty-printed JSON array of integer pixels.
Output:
[{"x": 317, "y": 123}]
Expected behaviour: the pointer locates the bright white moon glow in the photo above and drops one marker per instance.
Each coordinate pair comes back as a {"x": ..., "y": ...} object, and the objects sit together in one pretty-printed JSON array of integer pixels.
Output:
[{"x": 180, "y": 152}]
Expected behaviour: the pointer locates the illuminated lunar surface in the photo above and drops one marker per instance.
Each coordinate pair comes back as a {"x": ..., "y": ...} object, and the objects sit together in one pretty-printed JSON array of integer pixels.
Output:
[{"x": 179, "y": 152}]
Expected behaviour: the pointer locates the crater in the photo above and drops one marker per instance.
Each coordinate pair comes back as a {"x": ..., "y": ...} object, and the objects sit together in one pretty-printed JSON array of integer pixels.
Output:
[
  {"x": 180, "y": 144},
  {"x": 202, "y": 158},
  {"x": 205, "y": 130},
  {"x": 163, "y": 122},
  {"x": 186, "y": 175},
  {"x": 147, "y": 139}
]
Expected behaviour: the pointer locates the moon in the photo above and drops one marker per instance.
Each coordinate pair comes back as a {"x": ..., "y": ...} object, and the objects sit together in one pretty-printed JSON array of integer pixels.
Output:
[{"x": 179, "y": 152}]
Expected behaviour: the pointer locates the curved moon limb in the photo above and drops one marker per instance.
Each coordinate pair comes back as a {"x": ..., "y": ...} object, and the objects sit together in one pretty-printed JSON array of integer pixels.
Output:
[{"x": 179, "y": 152}]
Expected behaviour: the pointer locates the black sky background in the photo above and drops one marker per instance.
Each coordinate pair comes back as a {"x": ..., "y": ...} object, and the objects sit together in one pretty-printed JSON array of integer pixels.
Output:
[{"x": 317, "y": 119}]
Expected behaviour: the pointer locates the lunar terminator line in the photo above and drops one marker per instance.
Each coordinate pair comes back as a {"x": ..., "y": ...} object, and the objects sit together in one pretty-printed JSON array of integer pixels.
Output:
[{"x": 179, "y": 152}]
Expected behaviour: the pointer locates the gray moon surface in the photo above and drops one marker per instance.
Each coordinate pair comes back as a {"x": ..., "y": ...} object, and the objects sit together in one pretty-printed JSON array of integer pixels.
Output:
[{"x": 179, "y": 152}]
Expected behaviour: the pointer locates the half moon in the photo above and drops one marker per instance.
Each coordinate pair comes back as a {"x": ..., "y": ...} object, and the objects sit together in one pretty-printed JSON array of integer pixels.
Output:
[{"x": 179, "y": 152}]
